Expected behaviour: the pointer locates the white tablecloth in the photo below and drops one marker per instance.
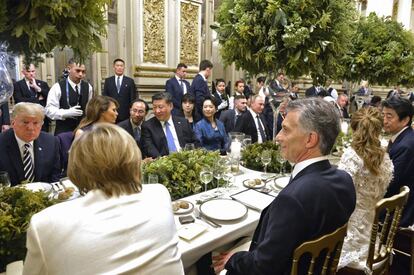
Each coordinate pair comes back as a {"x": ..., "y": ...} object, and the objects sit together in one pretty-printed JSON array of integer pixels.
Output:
[{"x": 214, "y": 238}]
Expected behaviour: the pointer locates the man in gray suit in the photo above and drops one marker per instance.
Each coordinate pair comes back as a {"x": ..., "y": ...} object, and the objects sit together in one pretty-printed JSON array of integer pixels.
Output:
[{"x": 229, "y": 117}]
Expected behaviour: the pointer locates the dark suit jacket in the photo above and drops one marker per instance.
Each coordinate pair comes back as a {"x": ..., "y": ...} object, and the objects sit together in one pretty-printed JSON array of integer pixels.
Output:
[
  {"x": 4, "y": 114},
  {"x": 126, "y": 96},
  {"x": 247, "y": 125},
  {"x": 46, "y": 158},
  {"x": 312, "y": 92},
  {"x": 316, "y": 202},
  {"x": 23, "y": 94},
  {"x": 199, "y": 88},
  {"x": 227, "y": 117},
  {"x": 154, "y": 142},
  {"x": 173, "y": 87},
  {"x": 126, "y": 124},
  {"x": 402, "y": 156}
]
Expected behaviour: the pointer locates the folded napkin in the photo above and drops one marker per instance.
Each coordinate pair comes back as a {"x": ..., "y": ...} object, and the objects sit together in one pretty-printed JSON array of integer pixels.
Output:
[{"x": 190, "y": 231}]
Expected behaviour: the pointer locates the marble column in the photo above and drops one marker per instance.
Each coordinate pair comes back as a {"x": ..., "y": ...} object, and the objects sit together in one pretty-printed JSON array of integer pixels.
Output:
[{"x": 404, "y": 13}]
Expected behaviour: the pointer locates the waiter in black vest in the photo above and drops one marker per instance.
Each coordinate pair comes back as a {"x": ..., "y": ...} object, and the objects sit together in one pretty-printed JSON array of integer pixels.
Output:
[{"x": 67, "y": 99}]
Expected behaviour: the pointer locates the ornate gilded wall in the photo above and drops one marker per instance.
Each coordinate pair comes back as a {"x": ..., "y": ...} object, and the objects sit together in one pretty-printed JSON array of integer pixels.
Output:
[
  {"x": 189, "y": 28},
  {"x": 154, "y": 31}
]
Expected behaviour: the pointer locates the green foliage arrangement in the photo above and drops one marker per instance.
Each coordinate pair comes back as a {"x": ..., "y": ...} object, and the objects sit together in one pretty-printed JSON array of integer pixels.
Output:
[
  {"x": 342, "y": 141},
  {"x": 251, "y": 157},
  {"x": 296, "y": 36},
  {"x": 17, "y": 205},
  {"x": 179, "y": 172},
  {"x": 37, "y": 26},
  {"x": 382, "y": 52}
]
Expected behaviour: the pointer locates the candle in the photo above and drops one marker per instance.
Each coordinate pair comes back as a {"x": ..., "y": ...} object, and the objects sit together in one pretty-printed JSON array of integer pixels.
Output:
[
  {"x": 344, "y": 127},
  {"x": 235, "y": 149}
]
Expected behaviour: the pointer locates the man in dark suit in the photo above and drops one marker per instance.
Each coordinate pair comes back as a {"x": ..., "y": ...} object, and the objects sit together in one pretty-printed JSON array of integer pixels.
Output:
[
  {"x": 177, "y": 86},
  {"x": 341, "y": 104},
  {"x": 165, "y": 133},
  {"x": 30, "y": 89},
  {"x": 252, "y": 122},
  {"x": 220, "y": 96},
  {"x": 316, "y": 90},
  {"x": 398, "y": 113},
  {"x": 4, "y": 117},
  {"x": 363, "y": 90},
  {"x": 230, "y": 117},
  {"x": 132, "y": 125},
  {"x": 26, "y": 153},
  {"x": 121, "y": 88},
  {"x": 318, "y": 199},
  {"x": 199, "y": 86}
]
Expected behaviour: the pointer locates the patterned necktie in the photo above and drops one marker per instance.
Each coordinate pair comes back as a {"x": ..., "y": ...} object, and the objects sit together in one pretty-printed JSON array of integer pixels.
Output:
[
  {"x": 170, "y": 138},
  {"x": 28, "y": 164},
  {"x": 118, "y": 83},
  {"x": 182, "y": 86},
  {"x": 262, "y": 132},
  {"x": 137, "y": 134},
  {"x": 389, "y": 146}
]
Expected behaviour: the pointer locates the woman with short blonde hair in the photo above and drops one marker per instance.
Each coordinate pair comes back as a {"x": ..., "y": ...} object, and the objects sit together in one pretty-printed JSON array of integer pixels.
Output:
[
  {"x": 371, "y": 170},
  {"x": 111, "y": 229}
]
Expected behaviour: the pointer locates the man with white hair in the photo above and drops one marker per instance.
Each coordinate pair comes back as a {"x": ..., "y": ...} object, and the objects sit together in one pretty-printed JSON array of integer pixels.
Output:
[{"x": 26, "y": 153}]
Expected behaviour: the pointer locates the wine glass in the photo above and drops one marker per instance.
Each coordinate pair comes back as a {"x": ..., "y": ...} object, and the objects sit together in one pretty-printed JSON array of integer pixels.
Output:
[
  {"x": 4, "y": 179},
  {"x": 218, "y": 174},
  {"x": 281, "y": 161},
  {"x": 266, "y": 158},
  {"x": 189, "y": 146},
  {"x": 247, "y": 141},
  {"x": 206, "y": 176}
]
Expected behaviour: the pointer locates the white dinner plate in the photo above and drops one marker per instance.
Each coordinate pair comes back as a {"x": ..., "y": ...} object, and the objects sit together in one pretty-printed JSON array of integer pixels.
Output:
[
  {"x": 223, "y": 209},
  {"x": 251, "y": 183},
  {"x": 38, "y": 186},
  {"x": 282, "y": 182},
  {"x": 181, "y": 210}
]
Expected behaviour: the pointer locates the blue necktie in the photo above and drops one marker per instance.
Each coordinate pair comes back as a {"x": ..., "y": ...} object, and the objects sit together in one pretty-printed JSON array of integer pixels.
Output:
[{"x": 170, "y": 138}]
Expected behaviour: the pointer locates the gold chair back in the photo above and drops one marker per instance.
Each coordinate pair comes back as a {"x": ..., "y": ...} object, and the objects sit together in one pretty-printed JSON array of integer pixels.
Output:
[
  {"x": 331, "y": 244},
  {"x": 382, "y": 235}
]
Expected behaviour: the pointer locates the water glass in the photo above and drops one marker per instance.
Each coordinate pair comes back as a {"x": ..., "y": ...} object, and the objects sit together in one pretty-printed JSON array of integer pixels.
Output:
[
  {"x": 4, "y": 179},
  {"x": 247, "y": 141},
  {"x": 206, "y": 176},
  {"x": 152, "y": 178},
  {"x": 266, "y": 158}
]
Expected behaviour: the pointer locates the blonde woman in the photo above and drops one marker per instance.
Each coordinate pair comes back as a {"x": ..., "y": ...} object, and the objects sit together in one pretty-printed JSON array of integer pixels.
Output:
[
  {"x": 117, "y": 227},
  {"x": 371, "y": 170}
]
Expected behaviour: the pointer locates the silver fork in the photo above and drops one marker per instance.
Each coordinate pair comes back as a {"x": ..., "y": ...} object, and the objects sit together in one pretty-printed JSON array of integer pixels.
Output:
[{"x": 198, "y": 215}]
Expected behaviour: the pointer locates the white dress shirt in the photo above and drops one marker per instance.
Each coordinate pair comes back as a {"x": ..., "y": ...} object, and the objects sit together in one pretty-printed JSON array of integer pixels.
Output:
[
  {"x": 21, "y": 144},
  {"x": 173, "y": 132},
  {"x": 259, "y": 136},
  {"x": 94, "y": 234},
  {"x": 53, "y": 110},
  {"x": 182, "y": 81},
  {"x": 121, "y": 77},
  {"x": 303, "y": 164}
]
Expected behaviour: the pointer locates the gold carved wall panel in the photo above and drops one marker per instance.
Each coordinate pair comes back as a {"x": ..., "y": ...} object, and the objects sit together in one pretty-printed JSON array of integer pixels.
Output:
[
  {"x": 189, "y": 42},
  {"x": 154, "y": 31}
]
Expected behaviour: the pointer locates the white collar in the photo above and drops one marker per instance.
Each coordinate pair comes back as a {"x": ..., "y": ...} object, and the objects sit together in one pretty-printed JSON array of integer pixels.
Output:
[
  {"x": 178, "y": 79},
  {"x": 200, "y": 73},
  {"x": 253, "y": 113},
  {"x": 21, "y": 142},
  {"x": 305, "y": 163},
  {"x": 73, "y": 84},
  {"x": 394, "y": 137}
]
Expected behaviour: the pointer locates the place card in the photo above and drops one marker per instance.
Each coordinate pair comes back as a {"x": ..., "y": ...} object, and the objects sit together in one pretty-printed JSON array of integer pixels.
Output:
[{"x": 190, "y": 231}]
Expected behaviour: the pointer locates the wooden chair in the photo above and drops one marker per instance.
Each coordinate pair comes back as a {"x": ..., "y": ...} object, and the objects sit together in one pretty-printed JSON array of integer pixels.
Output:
[
  {"x": 331, "y": 244},
  {"x": 382, "y": 234}
]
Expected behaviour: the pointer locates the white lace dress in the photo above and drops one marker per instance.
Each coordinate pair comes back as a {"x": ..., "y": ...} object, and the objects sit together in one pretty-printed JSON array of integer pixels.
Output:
[{"x": 369, "y": 190}]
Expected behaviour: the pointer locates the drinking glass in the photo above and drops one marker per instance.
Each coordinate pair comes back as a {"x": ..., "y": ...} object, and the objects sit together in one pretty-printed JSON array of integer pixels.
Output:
[
  {"x": 189, "y": 146},
  {"x": 281, "y": 161},
  {"x": 218, "y": 174},
  {"x": 247, "y": 141},
  {"x": 4, "y": 179},
  {"x": 266, "y": 158},
  {"x": 206, "y": 176},
  {"x": 152, "y": 178}
]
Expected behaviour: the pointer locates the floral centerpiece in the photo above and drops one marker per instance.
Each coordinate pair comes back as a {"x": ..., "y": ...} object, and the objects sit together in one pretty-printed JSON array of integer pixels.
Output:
[
  {"x": 17, "y": 205},
  {"x": 251, "y": 158},
  {"x": 179, "y": 171}
]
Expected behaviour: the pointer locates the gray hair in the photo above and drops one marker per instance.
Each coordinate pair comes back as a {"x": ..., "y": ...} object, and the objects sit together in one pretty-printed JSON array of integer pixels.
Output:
[
  {"x": 28, "y": 109},
  {"x": 317, "y": 115}
]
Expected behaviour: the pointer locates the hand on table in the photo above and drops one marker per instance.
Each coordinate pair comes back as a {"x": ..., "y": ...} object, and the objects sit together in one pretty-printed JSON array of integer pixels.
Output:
[{"x": 219, "y": 261}]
